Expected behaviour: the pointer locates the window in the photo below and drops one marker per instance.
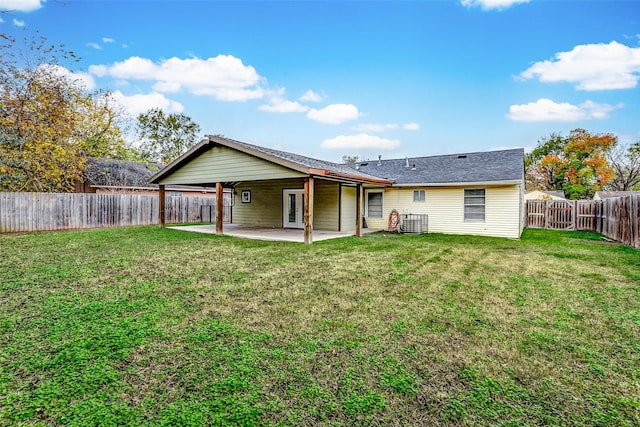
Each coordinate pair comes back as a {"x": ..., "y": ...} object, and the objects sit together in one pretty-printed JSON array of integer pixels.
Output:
[
  {"x": 374, "y": 204},
  {"x": 176, "y": 194},
  {"x": 474, "y": 204},
  {"x": 418, "y": 196}
]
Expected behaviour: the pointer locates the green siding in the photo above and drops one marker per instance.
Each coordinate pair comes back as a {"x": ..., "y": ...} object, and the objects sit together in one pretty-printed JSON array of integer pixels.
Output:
[
  {"x": 348, "y": 207},
  {"x": 222, "y": 164},
  {"x": 325, "y": 206},
  {"x": 265, "y": 209}
]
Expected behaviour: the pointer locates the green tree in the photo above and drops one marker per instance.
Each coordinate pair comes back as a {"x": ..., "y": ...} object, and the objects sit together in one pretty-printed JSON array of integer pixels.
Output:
[
  {"x": 49, "y": 122},
  {"x": 164, "y": 137},
  {"x": 543, "y": 176},
  {"x": 350, "y": 159},
  {"x": 575, "y": 164}
]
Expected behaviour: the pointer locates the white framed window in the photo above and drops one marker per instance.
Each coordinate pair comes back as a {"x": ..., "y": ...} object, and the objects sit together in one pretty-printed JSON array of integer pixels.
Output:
[
  {"x": 474, "y": 204},
  {"x": 374, "y": 204},
  {"x": 419, "y": 196}
]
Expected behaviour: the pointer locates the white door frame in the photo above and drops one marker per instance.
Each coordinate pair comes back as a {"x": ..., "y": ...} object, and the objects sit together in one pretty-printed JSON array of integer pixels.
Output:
[{"x": 293, "y": 219}]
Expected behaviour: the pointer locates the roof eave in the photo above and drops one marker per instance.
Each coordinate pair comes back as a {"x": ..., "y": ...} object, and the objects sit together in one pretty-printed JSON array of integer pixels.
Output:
[
  {"x": 186, "y": 155},
  {"x": 460, "y": 183},
  {"x": 348, "y": 177},
  {"x": 256, "y": 153}
]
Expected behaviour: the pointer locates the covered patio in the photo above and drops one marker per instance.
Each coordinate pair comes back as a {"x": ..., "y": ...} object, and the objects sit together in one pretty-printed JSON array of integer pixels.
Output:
[
  {"x": 268, "y": 233},
  {"x": 275, "y": 195}
]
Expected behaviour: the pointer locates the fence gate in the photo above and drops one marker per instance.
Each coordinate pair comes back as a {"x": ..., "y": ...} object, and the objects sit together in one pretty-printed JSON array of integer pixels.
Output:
[{"x": 560, "y": 215}]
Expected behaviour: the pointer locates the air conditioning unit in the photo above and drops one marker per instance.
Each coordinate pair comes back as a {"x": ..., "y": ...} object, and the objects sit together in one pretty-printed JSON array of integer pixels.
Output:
[{"x": 414, "y": 223}]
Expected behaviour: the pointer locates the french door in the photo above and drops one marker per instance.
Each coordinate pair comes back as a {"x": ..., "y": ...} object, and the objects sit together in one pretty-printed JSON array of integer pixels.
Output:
[{"x": 293, "y": 208}]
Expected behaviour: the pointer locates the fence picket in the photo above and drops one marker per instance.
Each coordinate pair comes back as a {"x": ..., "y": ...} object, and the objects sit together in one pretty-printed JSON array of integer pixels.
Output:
[
  {"x": 616, "y": 218},
  {"x": 51, "y": 211}
]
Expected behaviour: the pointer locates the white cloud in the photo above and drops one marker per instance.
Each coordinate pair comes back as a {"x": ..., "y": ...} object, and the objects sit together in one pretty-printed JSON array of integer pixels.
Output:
[
  {"x": 546, "y": 110},
  {"x": 491, "y": 4},
  {"x": 592, "y": 66},
  {"x": 18, "y": 23},
  {"x": 311, "y": 96},
  {"x": 411, "y": 126},
  {"x": 20, "y": 5},
  {"x": 224, "y": 77},
  {"x": 107, "y": 40},
  {"x": 279, "y": 104},
  {"x": 360, "y": 141},
  {"x": 334, "y": 114},
  {"x": 98, "y": 70},
  {"x": 85, "y": 79},
  {"x": 94, "y": 45},
  {"x": 283, "y": 106},
  {"x": 141, "y": 103}
]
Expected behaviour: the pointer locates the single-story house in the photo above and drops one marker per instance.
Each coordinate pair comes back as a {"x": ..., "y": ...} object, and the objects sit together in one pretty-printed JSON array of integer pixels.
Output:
[
  {"x": 474, "y": 193},
  {"x": 545, "y": 195}
]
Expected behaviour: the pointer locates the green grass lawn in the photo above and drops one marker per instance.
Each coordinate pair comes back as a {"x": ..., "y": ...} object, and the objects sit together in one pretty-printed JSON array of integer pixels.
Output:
[{"x": 149, "y": 326}]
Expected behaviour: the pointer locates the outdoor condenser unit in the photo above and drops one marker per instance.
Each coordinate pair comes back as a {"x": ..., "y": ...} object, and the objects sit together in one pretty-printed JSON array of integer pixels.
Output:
[{"x": 414, "y": 223}]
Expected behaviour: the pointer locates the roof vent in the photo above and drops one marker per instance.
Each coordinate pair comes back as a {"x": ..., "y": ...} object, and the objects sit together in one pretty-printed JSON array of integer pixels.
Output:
[
  {"x": 357, "y": 167},
  {"x": 406, "y": 163},
  {"x": 379, "y": 159},
  {"x": 462, "y": 156},
  {"x": 413, "y": 167}
]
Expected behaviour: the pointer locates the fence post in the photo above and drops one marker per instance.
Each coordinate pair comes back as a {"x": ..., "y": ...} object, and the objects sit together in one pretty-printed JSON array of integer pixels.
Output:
[{"x": 634, "y": 220}]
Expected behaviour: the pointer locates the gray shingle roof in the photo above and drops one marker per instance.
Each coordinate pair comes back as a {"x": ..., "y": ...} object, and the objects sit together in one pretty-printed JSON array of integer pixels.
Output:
[
  {"x": 488, "y": 166},
  {"x": 309, "y": 162}
]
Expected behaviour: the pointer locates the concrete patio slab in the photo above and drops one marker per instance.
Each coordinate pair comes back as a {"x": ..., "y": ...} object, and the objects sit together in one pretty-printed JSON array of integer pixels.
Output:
[{"x": 264, "y": 233}]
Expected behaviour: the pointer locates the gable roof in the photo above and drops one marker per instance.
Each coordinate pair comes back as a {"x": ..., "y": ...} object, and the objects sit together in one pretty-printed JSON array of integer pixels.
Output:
[
  {"x": 479, "y": 167},
  {"x": 303, "y": 164},
  {"x": 612, "y": 194}
]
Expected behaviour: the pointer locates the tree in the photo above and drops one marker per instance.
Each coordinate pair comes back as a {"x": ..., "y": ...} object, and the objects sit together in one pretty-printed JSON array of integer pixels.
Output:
[
  {"x": 625, "y": 162},
  {"x": 49, "y": 122},
  {"x": 350, "y": 159},
  {"x": 542, "y": 176},
  {"x": 576, "y": 164},
  {"x": 165, "y": 137}
]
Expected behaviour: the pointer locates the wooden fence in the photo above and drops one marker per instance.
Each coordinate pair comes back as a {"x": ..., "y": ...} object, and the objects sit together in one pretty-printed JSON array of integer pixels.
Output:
[
  {"x": 616, "y": 218},
  {"x": 62, "y": 211}
]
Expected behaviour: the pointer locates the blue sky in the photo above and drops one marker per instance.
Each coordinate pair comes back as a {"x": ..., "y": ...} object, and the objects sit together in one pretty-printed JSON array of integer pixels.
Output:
[{"x": 334, "y": 78}]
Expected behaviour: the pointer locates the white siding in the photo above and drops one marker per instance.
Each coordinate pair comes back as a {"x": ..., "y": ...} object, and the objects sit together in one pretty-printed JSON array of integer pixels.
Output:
[{"x": 445, "y": 207}]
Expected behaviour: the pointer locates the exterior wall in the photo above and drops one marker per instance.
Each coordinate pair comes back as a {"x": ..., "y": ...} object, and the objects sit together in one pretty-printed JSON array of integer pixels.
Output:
[
  {"x": 348, "y": 210},
  {"x": 222, "y": 164},
  {"x": 265, "y": 209},
  {"x": 445, "y": 207},
  {"x": 326, "y": 205}
]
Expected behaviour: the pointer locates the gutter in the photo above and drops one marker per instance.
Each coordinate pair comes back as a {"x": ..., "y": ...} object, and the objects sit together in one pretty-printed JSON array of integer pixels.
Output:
[
  {"x": 461, "y": 184},
  {"x": 325, "y": 173}
]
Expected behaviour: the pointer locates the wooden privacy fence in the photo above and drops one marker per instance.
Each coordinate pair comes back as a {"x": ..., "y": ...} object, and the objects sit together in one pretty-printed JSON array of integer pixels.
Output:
[
  {"x": 616, "y": 218},
  {"x": 62, "y": 211}
]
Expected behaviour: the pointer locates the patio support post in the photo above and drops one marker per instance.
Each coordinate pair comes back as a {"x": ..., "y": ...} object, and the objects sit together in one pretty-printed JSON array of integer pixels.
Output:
[
  {"x": 219, "y": 200},
  {"x": 161, "y": 207},
  {"x": 308, "y": 209},
  {"x": 359, "y": 210}
]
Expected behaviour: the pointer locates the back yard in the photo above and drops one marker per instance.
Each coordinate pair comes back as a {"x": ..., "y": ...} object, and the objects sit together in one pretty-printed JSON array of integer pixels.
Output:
[{"x": 136, "y": 326}]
